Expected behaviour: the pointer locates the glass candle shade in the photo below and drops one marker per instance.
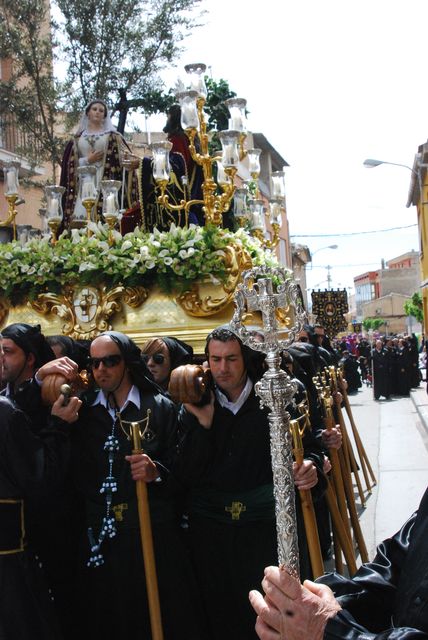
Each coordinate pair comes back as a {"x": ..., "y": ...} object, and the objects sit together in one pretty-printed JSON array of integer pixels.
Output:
[
  {"x": 240, "y": 208},
  {"x": 257, "y": 215},
  {"x": 87, "y": 188},
  {"x": 229, "y": 143},
  {"x": 110, "y": 190},
  {"x": 195, "y": 74},
  {"x": 11, "y": 171},
  {"x": 254, "y": 161},
  {"x": 54, "y": 195},
  {"x": 275, "y": 212},
  {"x": 237, "y": 120},
  {"x": 189, "y": 110},
  {"x": 278, "y": 185},
  {"x": 221, "y": 175},
  {"x": 161, "y": 166}
]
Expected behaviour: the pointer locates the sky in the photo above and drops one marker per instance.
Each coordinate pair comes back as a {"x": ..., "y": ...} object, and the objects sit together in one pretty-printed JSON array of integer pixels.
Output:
[{"x": 330, "y": 83}]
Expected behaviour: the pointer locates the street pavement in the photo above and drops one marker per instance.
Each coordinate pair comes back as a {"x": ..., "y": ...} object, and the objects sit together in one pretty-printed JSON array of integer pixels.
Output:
[{"x": 394, "y": 434}]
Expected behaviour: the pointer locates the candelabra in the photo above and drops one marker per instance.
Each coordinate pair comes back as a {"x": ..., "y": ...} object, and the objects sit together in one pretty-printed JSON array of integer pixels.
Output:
[
  {"x": 87, "y": 193},
  {"x": 11, "y": 171},
  {"x": 217, "y": 194},
  {"x": 54, "y": 211},
  {"x": 110, "y": 189}
]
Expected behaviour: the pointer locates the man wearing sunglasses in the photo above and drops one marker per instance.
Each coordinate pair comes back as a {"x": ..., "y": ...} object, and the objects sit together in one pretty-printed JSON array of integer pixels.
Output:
[{"x": 112, "y": 582}]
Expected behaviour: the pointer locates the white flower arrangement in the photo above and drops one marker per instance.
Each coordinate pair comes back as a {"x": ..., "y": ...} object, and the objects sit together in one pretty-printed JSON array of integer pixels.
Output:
[{"x": 173, "y": 259}]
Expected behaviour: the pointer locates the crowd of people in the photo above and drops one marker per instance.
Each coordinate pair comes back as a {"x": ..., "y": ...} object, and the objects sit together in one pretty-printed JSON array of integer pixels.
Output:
[
  {"x": 70, "y": 543},
  {"x": 390, "y": 364}
]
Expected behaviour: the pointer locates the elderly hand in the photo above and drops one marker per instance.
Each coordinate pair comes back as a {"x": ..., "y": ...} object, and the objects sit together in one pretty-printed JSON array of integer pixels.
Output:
[
  {"x": 142, "y": 467},
  {"x": 332, "y": 438},
  {"x": 291, "y": 611},
  {"x": 305, "y": 475}
]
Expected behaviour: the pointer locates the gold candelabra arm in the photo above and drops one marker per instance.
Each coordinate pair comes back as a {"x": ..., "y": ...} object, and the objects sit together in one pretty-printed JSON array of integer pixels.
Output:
[
  {"x": 242, "y": 152},
  {"x": 11, "y": 213},
  {"x": 111, "y": 221},
  {"x": 54, "y": 226},
  {"x": 271, "y": 244},
  {"x": 88, "y": 203}
]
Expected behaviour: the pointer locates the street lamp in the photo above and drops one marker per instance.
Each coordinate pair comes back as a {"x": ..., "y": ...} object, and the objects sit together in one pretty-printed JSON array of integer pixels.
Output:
[
  {"x": 330, "y": 246},
  {"x": 369, "y": 163}
]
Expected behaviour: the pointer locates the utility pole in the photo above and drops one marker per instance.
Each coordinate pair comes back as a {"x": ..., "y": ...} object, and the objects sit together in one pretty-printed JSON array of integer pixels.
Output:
[{"x": 328, "y": 277}]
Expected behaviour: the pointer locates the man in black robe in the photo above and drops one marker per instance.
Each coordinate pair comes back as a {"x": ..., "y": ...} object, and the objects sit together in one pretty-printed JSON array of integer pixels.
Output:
[
  {"x": 31, "y": 467},
  {"x": 385, "y": 600},
  {"x": 112, "y": 578},
  {"x": 226, "y": 463},
  {"x": 381, "y": 362}
]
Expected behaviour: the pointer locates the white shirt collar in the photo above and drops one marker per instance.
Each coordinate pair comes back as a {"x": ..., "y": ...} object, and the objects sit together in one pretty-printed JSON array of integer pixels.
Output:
[
  {"x": 237, "y": 404},
  {"x": 133, "y": 396}
]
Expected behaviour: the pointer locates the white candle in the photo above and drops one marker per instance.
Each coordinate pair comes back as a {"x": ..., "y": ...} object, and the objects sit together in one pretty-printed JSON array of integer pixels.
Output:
[
  {"x": 160, "y": 168},
  {"x": 188, "y": 115},
  {"x": 87, "y": 191},
  {"x": 236, "y": 123},
  {"x": 53, "y": 208},
  {"x": 11, "y": 182},
  {"x": 110, "y": 204},
  {"x": 257, "y": 220},
  {"x": 254, "y": 165},
  {"x": 221, "y": 175}
]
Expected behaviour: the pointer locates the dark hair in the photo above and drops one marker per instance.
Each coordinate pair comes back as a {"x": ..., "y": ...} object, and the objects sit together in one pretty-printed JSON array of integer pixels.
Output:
[
  {"x": 96, "y": 102},
  {"x": 253, "y": 360}
]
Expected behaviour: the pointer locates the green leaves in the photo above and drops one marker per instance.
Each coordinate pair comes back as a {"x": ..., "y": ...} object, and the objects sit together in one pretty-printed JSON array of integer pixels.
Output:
[{"x": 173, "y": 259}]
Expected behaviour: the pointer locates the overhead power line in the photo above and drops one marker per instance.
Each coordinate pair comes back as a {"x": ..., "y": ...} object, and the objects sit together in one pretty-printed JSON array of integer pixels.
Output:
[{"x": 353, "y": 233}]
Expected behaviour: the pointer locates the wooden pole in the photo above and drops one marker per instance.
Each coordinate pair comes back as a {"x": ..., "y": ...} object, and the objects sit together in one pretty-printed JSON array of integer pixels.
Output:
[
  {"x": 147, "y": 544},
  {"x": 360, "y": 447},
  {"x": 309, "y": 517}
]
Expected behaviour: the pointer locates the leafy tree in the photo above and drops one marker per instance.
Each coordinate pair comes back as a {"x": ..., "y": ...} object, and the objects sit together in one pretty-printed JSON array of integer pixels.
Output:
[
  {"x": 373, "y": 323},
  {"x": 28, "y": 98},
  {"x": 414, "y": 307},
  {"x": 115, "y": 49}
]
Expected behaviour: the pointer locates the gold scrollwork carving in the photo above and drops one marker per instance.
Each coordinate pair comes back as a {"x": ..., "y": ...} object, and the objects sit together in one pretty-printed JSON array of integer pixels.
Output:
[
  {"x": 197, "y": 305},
  {"x": 4, "y": 311},
  {"x": 86, "y": 310}
]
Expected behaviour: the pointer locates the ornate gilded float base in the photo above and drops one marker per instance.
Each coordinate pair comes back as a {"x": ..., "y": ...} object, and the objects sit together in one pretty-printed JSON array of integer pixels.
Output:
[{"x": 84, "y": 312}]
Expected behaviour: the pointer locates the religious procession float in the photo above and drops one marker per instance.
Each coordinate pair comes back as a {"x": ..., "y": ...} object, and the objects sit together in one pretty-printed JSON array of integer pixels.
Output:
[
  {"x": 171, "y": 244},
  {"x": 176, "y": 270}
]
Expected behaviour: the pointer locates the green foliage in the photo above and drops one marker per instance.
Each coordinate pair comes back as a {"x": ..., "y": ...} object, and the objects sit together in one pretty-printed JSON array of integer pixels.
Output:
[
  {"x": 29, "y": 97},
  {"x": 173, "y": 259},
  {"x": 372, "y": 323},
  {"x": 414, "y": 307}
]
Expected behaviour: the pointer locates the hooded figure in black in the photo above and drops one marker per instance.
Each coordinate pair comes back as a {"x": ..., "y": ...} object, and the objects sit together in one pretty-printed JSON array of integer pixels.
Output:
[
  {"x": 162, "y": 355},
  {"x": 32, "y": 353},
  {"x": 77, "y": 350},
  {"x": 111, "y": 578}
]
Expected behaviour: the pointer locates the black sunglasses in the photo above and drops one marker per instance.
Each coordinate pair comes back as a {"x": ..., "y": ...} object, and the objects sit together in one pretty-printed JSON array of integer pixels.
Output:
[
  {"x": 303, "y": 339},
  {"x": 108, "y": 361},
  {"x": 158, "y": 358}
]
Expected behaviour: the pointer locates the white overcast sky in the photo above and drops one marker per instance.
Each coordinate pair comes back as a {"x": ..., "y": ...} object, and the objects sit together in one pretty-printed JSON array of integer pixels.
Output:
[{"x": 330, "y": 83}]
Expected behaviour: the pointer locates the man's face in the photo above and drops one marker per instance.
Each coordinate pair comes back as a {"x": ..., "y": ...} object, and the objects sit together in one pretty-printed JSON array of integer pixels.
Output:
[
  {"x": 16, "y": 365},
  {"x": 108, "y": 378},
  {"x": 227, "y": 366},
  {"x": 303, "y": 336},
  {"x": 319, "y": 332}
]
